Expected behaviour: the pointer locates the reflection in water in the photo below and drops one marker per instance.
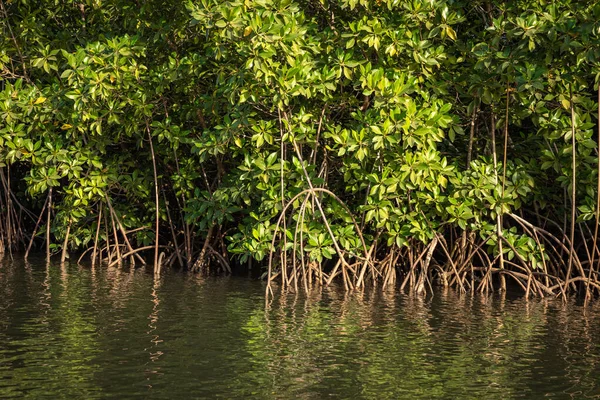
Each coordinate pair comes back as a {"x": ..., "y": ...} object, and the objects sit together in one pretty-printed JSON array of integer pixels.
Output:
[
  {"x": 76, "y": 332},
  {"x": 155, "y": 340}
]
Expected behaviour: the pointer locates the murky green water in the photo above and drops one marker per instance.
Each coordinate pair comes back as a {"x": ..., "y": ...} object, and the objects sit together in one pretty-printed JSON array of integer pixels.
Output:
[{"x": 78, "y": 333}]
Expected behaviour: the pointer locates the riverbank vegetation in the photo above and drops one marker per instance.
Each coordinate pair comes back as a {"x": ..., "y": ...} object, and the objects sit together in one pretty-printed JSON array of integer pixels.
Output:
[{"x": 388, "y": 142}]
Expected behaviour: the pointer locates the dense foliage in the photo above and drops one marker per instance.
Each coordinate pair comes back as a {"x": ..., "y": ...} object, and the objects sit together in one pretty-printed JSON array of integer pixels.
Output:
[{"x": 363, "y": 139}]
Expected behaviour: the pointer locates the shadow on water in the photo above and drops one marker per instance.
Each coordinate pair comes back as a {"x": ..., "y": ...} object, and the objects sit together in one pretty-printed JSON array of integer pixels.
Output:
[{"x": 78, "y": 332}]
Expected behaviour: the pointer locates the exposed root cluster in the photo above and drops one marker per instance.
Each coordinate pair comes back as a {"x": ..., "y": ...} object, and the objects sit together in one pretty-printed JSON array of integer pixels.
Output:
[{"x": 452, "y": 259}]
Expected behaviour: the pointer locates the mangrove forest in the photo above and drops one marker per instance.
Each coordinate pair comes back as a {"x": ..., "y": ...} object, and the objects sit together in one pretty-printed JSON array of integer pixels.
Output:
[{"x": 398, "y": 143}]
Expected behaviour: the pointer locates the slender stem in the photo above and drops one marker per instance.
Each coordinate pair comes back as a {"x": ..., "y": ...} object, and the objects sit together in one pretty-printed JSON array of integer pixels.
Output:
[
  {"x": 573, "y": 191},
  {"x": 173, "y": 235},
  {"x": 63, "y": 256},
  {"x": 156, "y": 197},
  {"x": 472, "y": 135},
  {"x": 96, "y": 237},
  {"x": 595, "y": 240},
  {"x": 498, "y": 217},
  {"x": 108, "y": 253},
  {"x": 505, "y": 139},
  {"x": 117, "y": 245},
  {"x": 200, "y": 261},
  {"x": 48, "y": 221}
]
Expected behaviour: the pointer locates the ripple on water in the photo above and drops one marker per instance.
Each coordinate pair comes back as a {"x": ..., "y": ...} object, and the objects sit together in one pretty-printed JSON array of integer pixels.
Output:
[{"x": 118, "y": 333}]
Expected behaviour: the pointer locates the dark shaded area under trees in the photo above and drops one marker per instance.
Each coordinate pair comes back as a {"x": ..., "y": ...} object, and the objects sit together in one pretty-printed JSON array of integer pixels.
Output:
[{"x": 393, "y": 142}]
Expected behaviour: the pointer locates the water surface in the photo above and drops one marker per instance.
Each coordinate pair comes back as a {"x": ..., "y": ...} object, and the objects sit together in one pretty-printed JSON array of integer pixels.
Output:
[{"x": 75, "y": 332}]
